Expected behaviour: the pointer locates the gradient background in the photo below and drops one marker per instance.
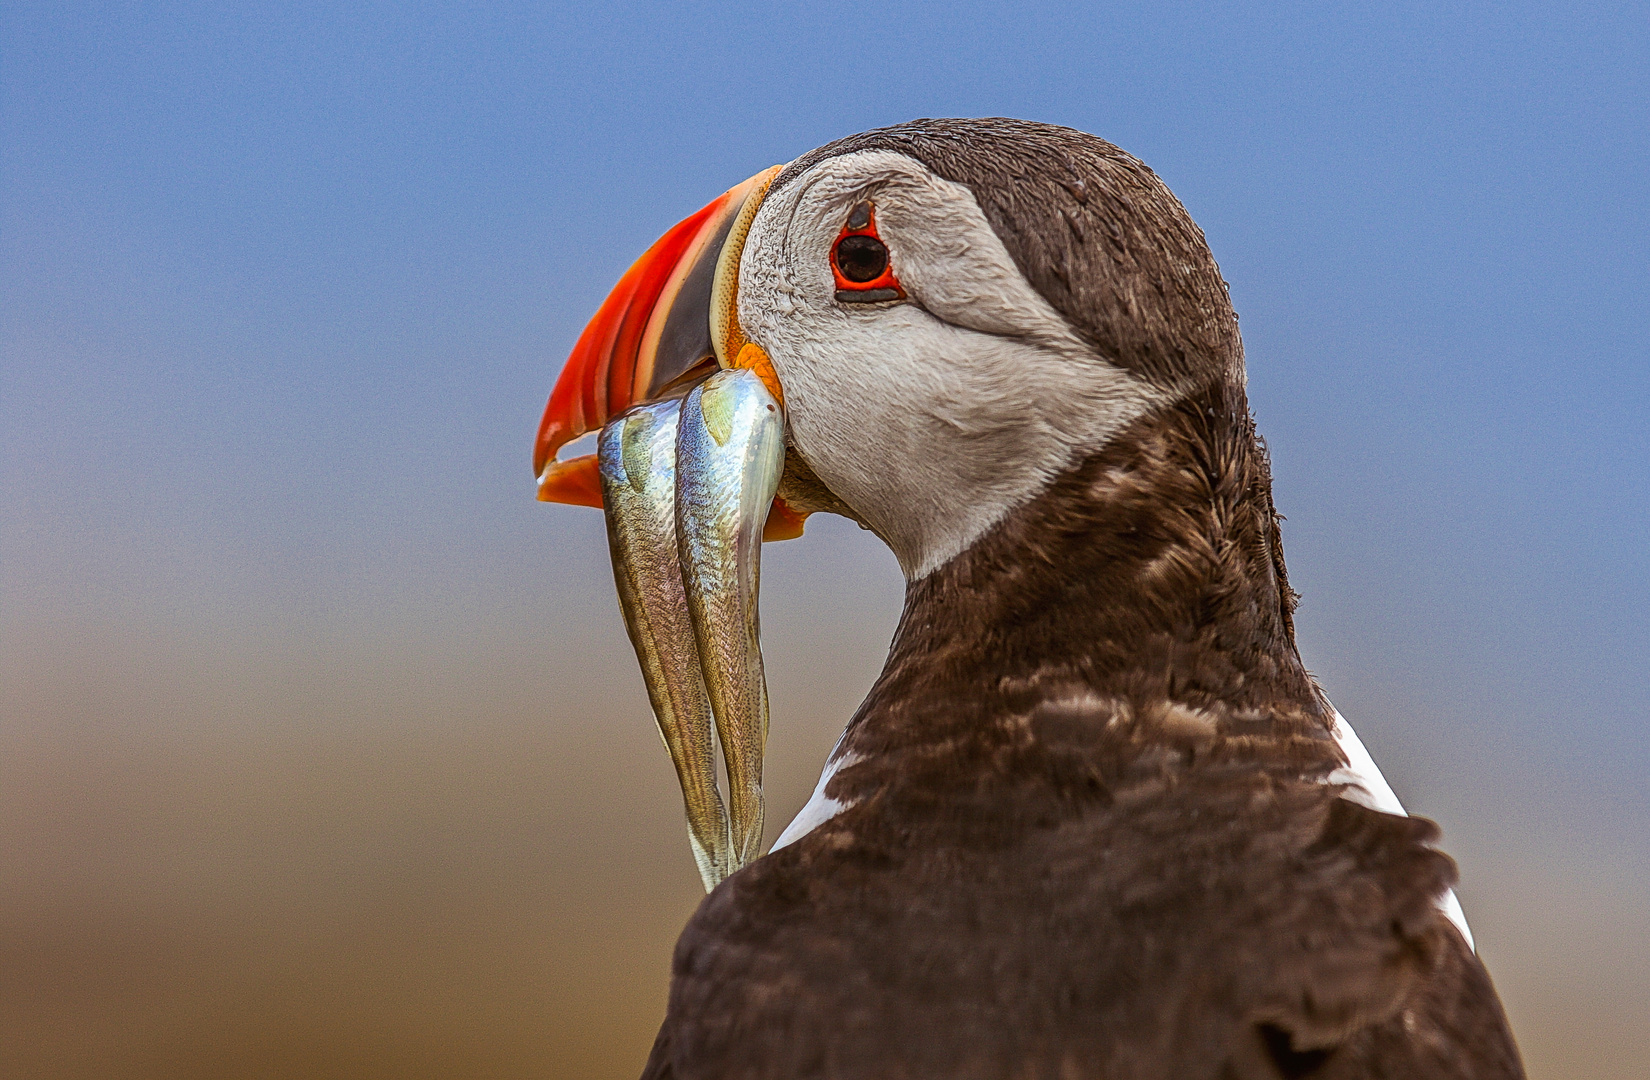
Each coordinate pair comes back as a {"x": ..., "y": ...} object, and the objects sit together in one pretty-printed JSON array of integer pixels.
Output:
[{"x": 322, "y": 753}]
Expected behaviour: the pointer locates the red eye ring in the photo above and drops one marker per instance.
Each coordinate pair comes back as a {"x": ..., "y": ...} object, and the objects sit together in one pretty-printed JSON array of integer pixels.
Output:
[{"x": 861, "y": 258}]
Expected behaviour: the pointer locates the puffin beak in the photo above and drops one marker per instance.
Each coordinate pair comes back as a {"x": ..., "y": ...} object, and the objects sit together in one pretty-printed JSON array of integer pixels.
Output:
[
  {"x": 688, "y": 462},
  {"x": 671, "y": 320}
]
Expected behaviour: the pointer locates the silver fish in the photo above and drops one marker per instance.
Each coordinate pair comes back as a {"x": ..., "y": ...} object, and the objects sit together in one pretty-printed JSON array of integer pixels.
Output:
[
  {"x": 636, "y": 454},
  {"x": 730, "y": 451}
]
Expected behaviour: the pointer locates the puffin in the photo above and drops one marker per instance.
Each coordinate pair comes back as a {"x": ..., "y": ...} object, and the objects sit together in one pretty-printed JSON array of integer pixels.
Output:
[{"x": 1094, "y": 819}]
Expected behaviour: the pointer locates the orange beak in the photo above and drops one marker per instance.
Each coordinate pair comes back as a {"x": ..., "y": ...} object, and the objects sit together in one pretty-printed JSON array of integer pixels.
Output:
[{"x": 671, "y": 321}]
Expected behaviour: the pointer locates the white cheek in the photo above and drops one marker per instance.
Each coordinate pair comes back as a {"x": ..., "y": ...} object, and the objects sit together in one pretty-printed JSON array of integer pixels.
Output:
[
  {"x": 935, "y": 418},
  {"x": 883, "y": 412}
]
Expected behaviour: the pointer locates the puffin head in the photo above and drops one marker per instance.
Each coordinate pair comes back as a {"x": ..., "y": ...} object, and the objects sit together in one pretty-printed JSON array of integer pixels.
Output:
[
  {"x": 952, "y": 312},
  {"x": 947, "y": 316}
]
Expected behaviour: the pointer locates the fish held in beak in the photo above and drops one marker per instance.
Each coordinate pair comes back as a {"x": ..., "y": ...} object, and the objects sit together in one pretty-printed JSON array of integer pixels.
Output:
[
  {"x": 690, "y": 454},
  {"x": 637, "y": 459},
  {"x": 687, "y": 485},
  {"x": 730, "y": 452}
]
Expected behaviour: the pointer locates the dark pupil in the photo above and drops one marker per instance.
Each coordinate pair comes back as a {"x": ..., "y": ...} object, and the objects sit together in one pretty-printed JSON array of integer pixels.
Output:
[{"x": 861, "y": 258}]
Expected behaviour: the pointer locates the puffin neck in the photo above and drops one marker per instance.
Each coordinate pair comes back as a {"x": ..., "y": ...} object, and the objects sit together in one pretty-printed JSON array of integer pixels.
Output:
[{"x": 1141, "y": 597}]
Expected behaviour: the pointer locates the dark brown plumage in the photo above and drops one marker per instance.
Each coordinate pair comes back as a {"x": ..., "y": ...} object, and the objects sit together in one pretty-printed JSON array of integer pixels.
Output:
[
  {"x": 1089, "y": 833},
  {"x": 1090, "y": 227}
]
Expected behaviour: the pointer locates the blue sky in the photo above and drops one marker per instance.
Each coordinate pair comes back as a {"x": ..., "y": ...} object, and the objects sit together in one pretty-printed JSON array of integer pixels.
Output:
[{"x": 285, "y": 287}]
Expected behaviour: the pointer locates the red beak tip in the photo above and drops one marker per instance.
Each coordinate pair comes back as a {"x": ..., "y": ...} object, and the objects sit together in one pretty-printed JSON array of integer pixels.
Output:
[{"x": 576, "y": 482}]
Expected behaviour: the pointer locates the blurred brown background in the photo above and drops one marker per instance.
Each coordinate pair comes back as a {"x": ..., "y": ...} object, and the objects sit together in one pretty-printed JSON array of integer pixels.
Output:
[{"x": 311, "y": 858}]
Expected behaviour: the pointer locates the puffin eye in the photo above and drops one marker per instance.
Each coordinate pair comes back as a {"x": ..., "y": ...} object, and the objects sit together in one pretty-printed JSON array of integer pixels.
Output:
[
  {"x": 861, "y": 258},
  {"x": 860, "y": 262}
]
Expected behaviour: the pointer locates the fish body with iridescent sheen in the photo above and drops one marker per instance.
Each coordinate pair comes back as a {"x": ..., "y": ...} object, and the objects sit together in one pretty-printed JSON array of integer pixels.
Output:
[
  {"x": 729, "y": 455},
  {"x": 637, "y": 458}
]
